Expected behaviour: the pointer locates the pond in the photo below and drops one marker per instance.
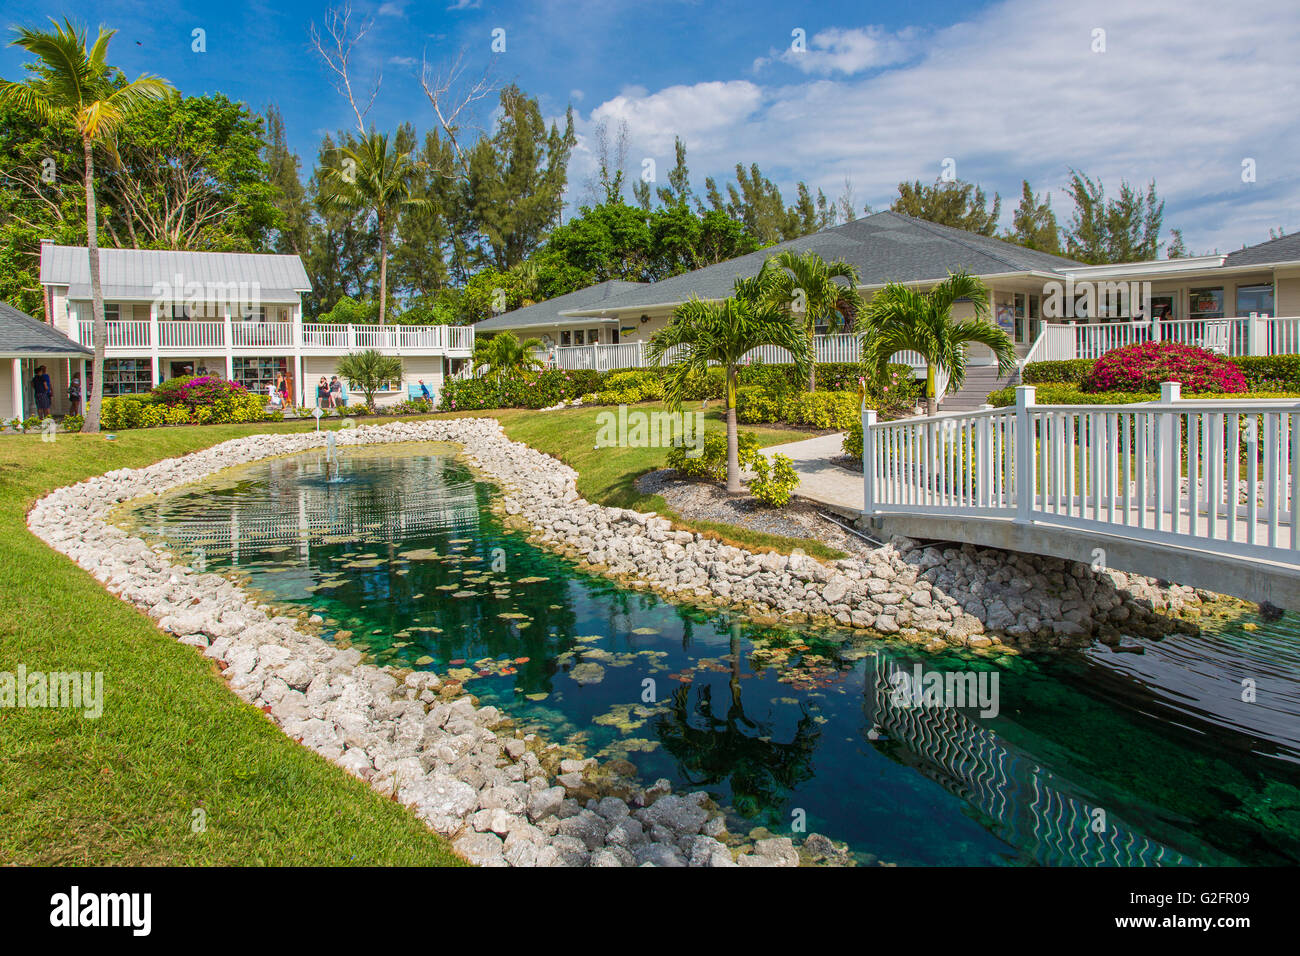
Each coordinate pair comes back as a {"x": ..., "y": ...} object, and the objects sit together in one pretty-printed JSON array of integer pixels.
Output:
[{"x": 1098, "y": 758}]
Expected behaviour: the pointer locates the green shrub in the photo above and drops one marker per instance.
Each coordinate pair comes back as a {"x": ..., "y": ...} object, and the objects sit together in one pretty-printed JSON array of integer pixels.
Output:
[
  {"x": 710, "y": 463},
  {"x": 756, "y": 404},
  {"x": 1270, "y": 373},
  {"x": 833, "y": 410},
  {"x": 853, "y": 440},
  {"x": 73, "y": 423},
  {"x": 773, "y": 481},
  {"x": 1068, "y": 370}
]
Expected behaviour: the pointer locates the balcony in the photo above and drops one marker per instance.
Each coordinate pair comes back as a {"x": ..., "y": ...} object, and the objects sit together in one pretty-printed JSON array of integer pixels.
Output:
[{"x": 134, "y": 337}]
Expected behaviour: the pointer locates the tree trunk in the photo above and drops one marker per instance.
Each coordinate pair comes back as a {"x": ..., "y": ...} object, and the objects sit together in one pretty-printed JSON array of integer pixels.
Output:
[
  {"x": 95, "y": 398},
  {"x": 733, "y": 436},
  {"x": 383, "y": 270},
  {"x": 812, "y": 350},
  {"x": 931, "y": 399}
]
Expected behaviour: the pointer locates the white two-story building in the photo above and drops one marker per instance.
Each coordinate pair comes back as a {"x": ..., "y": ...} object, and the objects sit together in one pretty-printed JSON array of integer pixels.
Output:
[{"x": 234, "y": 315}]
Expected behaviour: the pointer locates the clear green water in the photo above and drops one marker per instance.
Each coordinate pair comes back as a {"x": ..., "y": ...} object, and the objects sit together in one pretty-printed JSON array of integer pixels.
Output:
[{"x": 1094, "y": 759}]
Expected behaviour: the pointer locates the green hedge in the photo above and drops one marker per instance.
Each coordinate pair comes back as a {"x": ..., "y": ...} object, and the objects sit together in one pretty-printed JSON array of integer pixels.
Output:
[
  {"x": 629, "y": 386},
  {"x": 1069, "y": 370},
  {"x": 132, "y": 411}
]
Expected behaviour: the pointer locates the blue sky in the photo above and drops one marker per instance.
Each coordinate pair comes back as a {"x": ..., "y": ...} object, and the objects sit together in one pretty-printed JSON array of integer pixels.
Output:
[{"x": 1184, "y": 91}]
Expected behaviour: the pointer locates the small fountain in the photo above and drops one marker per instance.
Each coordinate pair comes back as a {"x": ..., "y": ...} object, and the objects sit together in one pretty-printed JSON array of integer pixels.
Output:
[{"x": 331, "y": 458}]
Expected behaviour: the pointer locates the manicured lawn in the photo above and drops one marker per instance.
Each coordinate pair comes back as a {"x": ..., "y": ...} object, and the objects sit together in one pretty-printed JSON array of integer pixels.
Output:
[
  {"x": 173, "y": 739},
  {"x": 122, "y": 789}
]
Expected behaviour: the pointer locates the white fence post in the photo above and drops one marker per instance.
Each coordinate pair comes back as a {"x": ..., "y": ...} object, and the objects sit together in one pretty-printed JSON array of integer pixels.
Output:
[
  {"x": 1256, "y": 335},
  {"x": 1023, "y": 473},
  {"x": 868, "y": 462},
  {"x": 1170, "y": 455}
]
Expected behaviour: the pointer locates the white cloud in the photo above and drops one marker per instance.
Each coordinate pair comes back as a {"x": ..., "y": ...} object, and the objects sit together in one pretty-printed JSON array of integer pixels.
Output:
[
  {"x": 1184, "y": 92},
  {"x": 465, "y": 5},
  {"x": 848, "y": 51}
]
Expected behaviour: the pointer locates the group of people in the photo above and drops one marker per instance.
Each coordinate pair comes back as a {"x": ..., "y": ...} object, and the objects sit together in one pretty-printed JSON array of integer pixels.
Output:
[
  {"x": 277, "y": 393},
  {"x": 329, "y": 394}
]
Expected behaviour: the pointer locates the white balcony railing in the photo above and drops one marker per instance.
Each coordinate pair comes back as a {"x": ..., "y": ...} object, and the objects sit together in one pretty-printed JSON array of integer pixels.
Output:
[{"x": 133, "y": 335}]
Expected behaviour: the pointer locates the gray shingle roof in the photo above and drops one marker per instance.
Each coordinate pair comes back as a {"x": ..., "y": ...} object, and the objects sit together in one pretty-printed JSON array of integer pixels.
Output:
[
  {"x": 21, "y": 335},
  {"x": 131, "y": 273},
  {"x": 1283, "y": 249},
  {"x": 548, "y": 312},
  {"x": 884, "y": 247}
]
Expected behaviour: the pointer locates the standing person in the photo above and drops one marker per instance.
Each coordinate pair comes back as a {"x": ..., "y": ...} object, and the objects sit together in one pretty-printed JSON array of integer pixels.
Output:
[
  {"x": 322, "y": 394},
  {"x": 273, "y": 398},
  {"x": 336, "y": 392},
  {"x": 282, "y": 386},
  {"x": 74, "y": 395},
  {"x": 43, "y": 389}
]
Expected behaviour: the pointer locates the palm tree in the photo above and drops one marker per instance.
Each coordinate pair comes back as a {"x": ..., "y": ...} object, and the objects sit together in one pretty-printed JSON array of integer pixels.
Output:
[
  {"x": 70, "y": 84},
  {"x": 377, "y": 178},
  {"x": 504, "y": 356},
  {"x": 805, "y": 285},
  {"x": 899, "y": 319},
  {"x": 720, "y": 333},
  {"x": 369, "y": 371}
]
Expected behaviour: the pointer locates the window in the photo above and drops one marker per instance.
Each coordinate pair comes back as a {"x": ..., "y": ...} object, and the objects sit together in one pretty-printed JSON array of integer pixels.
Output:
[
  {"x": 112, "y": 312},
  {"x": 577, "y": 337},
  {"x": 256, "y": 373},
  {"x": 125, "y": 376},
  {"x": 593, "y": 336},
  {"x": 1255, "y": 298},
  {"x": 1206, "y": 304},
  {"x": 564, "y": 337}
]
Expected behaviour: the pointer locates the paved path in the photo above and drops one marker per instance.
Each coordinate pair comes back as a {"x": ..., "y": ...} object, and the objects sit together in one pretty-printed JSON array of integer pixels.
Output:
[{"x": 819, "y": 479}]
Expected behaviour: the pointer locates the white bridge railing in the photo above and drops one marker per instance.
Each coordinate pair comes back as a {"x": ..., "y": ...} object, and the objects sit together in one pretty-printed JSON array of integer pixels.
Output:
[{"x": 1216, "y": 475}]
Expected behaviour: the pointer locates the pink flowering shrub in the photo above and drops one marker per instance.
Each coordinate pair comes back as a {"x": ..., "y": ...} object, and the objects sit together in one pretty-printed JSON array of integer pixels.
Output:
[
  {"x": 197, "y": 391},
  {"x": 1141, "y": 368}
]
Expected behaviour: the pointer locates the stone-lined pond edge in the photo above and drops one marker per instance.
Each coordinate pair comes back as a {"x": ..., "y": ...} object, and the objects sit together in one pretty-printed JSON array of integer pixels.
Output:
[{"x": 505, "y": 797}]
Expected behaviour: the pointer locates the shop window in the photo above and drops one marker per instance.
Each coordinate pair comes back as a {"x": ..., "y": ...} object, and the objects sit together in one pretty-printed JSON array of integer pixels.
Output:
[{"x": 1206, "y": 304}]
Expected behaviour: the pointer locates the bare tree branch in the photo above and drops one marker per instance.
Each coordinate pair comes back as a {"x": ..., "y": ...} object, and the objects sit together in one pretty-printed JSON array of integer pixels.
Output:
[
  {"x": 337, "y": 54},
  {"x": 449, "y": 97}
]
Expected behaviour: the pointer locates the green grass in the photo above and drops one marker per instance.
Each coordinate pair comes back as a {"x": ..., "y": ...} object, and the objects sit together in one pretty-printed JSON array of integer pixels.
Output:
[{"x": 173, "y": 739}]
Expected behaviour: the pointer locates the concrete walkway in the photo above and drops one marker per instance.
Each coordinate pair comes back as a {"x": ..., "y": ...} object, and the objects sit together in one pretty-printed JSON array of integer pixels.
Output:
[{"x": 819, "y": 479}]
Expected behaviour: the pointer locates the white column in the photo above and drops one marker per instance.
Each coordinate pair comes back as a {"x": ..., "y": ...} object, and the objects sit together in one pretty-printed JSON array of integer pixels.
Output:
[
  {"x": 153, "y": 340},
  {"x": 82, "y": 377},
  {"x": 299, "y": 385},
  {"x": 228, "y": 334},
  {"x": 1024, "y": 464},
  {"x": 18, "y": 389}
]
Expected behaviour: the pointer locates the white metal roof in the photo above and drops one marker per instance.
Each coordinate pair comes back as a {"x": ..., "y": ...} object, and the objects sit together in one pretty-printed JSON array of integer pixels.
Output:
[{"x": 140, "y": 273}]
